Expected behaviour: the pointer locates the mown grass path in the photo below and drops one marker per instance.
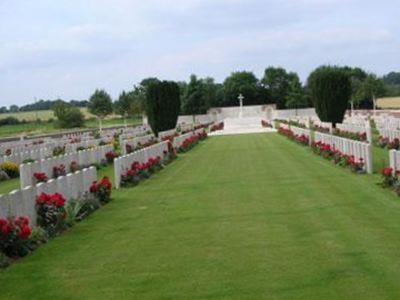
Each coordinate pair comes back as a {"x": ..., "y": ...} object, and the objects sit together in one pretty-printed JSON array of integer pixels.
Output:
[{"x": 239, "y": 217}]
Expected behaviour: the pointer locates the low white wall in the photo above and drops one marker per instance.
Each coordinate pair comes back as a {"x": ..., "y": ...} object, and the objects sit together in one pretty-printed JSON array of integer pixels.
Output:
[
  {"x": 136, "y": 141},
  {"x": 123, "y": 163},
  {"x": 348, "y": 147},
  {"x": 83, "y": 158},
  {"x": 23, "y": 202}
]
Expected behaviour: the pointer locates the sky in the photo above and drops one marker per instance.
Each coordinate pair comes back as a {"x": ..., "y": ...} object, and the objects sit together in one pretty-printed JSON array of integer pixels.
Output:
[{"x": 68, "y": 48}]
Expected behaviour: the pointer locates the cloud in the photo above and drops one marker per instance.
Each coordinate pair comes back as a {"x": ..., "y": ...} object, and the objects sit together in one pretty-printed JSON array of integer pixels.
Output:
[{"x": 67, "y": 48}]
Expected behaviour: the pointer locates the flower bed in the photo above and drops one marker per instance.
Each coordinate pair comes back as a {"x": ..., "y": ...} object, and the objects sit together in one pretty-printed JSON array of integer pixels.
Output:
[
  {"x": 141, "y": 171},
  {"x": 302, "y": 139},
  {"x": 10, "y": 168},
  {"x": 357, "y": 136},
  {"x": 59, "y": 171},
  {"x": 110, "y": 155},
  {"x": 384, "y": 142},
  {"x": 192, "y": 141},
  {"x": 338, "y": 158},
  {"x": 15, "y": 237},
  {"x": 391, "y": 179}
]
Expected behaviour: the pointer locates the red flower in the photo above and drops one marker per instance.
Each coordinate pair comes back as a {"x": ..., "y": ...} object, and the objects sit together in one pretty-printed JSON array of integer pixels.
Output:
[
  {"x": 93, "y": 187},
  {"x": 387, "y": 171},
  {"x": 25, "y": 232},
  {"x": 7, "y": 228},
  {"x": 40, "y": 177}
]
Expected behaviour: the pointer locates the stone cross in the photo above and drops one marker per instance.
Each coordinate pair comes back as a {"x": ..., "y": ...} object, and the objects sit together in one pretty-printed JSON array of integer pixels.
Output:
[{"x": 241, "y": 97}]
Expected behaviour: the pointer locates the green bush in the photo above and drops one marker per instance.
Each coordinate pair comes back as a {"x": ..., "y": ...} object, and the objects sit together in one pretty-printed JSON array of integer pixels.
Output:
[
  {"x": 163, "y": 105},
  {"x": 9, "y": 121},
  {"x": 68, "y": 116},
  {"x": 330, "y": 91}
]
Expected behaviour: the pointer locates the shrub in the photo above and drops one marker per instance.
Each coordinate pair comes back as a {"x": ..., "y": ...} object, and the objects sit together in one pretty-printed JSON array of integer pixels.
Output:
[
  {"x": 68, "y": 116},
  {"x": 110, "y": 156},
  {"x": 14, "y": 236},
  {"x": 51, "y": 212},
  {"x": 59, "y": 171},
  {"x": 162, "y": 105},
  {"x": 330, "y": 91},
  {"x": 9, "y": 121},
  {"x": 10, "y": 168},
  {"x": 102, "y": 190},
  {"x": 58, "y": 151},
  {"x": 388, "y": 177},
  {"x": 28, "y": 160}
]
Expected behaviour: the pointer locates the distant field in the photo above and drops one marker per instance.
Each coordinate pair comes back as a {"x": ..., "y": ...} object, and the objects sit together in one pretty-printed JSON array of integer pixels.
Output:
[
  {"x": 44, "y": 115},
  {"x": 388, "y": 103}
]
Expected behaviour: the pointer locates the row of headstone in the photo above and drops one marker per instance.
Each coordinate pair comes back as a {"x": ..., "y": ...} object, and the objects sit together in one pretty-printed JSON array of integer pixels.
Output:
[
  {"x": 163, "y": 134},
  {"x": 185, "y": 127},
  {"x": 357, "y": 128},
  {"x": 390, "y": 134},
  {"x": 178, "y": 140},
  {"x": 123, "y": 163},
  {"x": 65, "y": 140},
  {"x": 387, "y": 123},
  {"x": 23, "y": 202},
  {"x": 302, "y": 131},
  {"x": 359, "y": 150},
  {"x": 19, "y": 157},
  {"x": 135, "y": 132},
  {"x": 136, "y": 141},
  {"x": 83, "y": 158},
  {"x": 90, "y": 143}
]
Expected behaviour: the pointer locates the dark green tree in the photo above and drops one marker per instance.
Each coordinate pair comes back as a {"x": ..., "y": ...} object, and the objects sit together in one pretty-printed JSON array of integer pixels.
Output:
[
  {"x": 194, "y": 97},
  {"x": 14, "y": 108},
  {"x": 393, "y": 78},
  {"x": 278, "y": 81},
  {"x": 330, "y": 91},
  {"x": 162, "y": 105},
  {"x": 371, "y": 88},
  {"x": 100, "y": 105},
  {"x": 68, "y": 116},
  {"x": 245, "y": 83},
  {"x": 296, "y": 97}
]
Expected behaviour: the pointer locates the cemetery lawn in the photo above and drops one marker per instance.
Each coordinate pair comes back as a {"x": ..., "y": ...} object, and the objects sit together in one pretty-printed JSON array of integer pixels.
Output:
[{"x": 238, "y": 217}]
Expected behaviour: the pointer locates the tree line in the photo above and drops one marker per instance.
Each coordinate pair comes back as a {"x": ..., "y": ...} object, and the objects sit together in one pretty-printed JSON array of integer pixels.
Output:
[{"x": 277, "y": 86}]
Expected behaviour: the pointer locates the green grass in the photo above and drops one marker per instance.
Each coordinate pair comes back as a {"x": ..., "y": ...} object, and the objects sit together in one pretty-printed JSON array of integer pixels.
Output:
[
  {"x": 9, "y": 185},
  {"x": 239, "y": 217}
]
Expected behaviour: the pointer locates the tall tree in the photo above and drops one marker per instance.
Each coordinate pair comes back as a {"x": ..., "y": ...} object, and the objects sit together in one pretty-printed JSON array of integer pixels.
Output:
[
  {"x": 193, "y": 100},
  {"x": 163, "y": 105},
  {"x": 296, "y": 97},
  {"x": 278, "y": 81},
  {"x": 100, "y": 105},
  {"x": 371, "y": 88},
  {"x": 245, "y": 83},
  {"x": 68, "y": 116},
  {"x": 393, "y": 78},
  {"x": 330, "y": 91}
]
